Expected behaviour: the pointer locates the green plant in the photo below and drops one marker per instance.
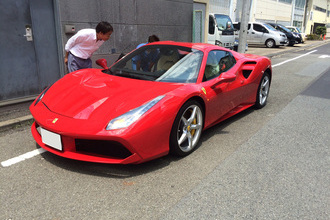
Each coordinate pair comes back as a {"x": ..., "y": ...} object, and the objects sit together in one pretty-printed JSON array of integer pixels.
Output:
[
  {"x": 313, "y": 37},
  {"x": 321, "y": 30}
]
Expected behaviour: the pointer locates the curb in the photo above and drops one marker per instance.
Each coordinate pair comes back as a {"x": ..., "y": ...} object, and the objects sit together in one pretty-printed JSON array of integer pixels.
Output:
[
  {"x": 318, "y": 43},
  {"x": 5, "y": 125}
]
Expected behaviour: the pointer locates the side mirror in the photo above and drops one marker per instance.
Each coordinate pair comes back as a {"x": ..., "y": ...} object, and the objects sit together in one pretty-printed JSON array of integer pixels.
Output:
[
  {"x": 103, "y": 63},
  {"x": 227, "y": 77}
]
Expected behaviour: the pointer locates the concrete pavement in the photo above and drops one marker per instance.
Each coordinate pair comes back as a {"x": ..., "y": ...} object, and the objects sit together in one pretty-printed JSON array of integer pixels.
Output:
[{"x": 282, "y": 172}]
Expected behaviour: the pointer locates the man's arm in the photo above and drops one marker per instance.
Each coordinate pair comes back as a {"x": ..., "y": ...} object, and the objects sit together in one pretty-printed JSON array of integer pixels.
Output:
[{"x": 66, "y": 57}]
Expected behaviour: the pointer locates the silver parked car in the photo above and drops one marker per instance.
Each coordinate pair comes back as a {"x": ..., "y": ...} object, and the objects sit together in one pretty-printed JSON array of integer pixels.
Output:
[{"x": 264, "y": 34}]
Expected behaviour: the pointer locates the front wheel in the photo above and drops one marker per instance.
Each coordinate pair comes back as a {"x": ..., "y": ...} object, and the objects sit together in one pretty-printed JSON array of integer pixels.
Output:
[
  {"x": 187, "y": 129},
  {"x": 270, "y": 43},
  {"x": 263, "y": 91}
]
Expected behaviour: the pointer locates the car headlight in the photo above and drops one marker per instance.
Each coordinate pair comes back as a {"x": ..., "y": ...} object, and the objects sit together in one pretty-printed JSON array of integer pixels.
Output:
[
  {"x": 132, "y": 116},
  {"x": 218, "y": 43},
  {"x": 41, "y": 96}
]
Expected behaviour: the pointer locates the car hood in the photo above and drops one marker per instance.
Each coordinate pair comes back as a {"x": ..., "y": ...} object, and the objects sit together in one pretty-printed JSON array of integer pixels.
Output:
[{"x": 85, "y": 93}]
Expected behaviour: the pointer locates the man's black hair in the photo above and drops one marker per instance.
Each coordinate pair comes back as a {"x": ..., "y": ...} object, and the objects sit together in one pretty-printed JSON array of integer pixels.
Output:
[
  {"x": 104, "y": 27},
  {"x": 153, "y": 38}
]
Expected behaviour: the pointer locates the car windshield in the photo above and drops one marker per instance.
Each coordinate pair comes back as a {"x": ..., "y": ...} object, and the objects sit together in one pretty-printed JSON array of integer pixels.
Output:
[
  {"x": 299, "y": 31},
  {"x": 164, "y": 63},
  {"x": 284, "y": 28},
  {"x": 224, "y": 22},
  {"x": 291, "y": 29},
  {"x": 270, "y": 27}
]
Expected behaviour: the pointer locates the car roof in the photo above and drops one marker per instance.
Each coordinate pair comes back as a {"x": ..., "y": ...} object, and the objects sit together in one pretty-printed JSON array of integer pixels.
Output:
[{"x": 198, "y": 46}]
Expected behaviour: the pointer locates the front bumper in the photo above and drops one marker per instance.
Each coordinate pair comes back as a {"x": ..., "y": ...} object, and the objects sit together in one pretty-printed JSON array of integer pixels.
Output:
[
  {"x": 80, "y": 140},
  {"x": 74, "y": 149},
  {"x": 281, "y": 41}
]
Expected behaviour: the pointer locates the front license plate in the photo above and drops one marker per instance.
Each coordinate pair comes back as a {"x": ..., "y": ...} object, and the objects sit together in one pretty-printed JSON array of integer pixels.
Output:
[{"x": 51, "y": 139}]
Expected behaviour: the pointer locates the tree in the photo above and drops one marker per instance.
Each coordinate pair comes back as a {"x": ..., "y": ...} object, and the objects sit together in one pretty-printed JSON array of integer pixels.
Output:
[{"x": 321, "y": 30}]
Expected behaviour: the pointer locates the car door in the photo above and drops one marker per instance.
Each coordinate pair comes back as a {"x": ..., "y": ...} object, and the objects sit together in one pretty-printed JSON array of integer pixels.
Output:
[
  {"x": 248, "y": 36},
  {"x": 224, "y": 96},
  {"x": 257, "y": 34}
]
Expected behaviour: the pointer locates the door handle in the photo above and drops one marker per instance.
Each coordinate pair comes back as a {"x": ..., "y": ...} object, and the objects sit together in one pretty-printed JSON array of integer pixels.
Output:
[{"x": 28, "y": 33}]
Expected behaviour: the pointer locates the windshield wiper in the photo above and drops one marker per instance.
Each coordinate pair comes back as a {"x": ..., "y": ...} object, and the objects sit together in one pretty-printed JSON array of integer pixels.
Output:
[
  {"x": 135, "y": 74},
  {"x": 108, "y": 71}
]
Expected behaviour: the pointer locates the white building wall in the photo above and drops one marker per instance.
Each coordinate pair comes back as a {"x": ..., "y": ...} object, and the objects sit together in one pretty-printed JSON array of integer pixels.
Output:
[
  {"x": 271, "y": 11},
  {"x": 220, "y": 7}
]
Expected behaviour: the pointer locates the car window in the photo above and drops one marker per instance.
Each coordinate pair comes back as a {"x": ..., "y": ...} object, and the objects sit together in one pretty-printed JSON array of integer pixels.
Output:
[
  {"x": 291, "y": 29},
  {"x": 237, "y": 26},
  {"x": 224, "y": 22},
  {"x": 270, "y": 27},
  {"x": 259, "y": 28},
  {"x": 284, "y": 28},
  {"x": 211, "y": 25},
  {"x": 218, "y": 61},
  {"x": 166, "y": 63}
]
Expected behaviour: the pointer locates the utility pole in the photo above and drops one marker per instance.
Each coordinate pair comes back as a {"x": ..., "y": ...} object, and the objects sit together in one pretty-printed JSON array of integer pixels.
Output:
[{"x": 246, "y": 5}]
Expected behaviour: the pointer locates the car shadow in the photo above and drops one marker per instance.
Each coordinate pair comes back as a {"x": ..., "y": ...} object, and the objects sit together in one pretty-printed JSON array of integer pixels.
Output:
[
  {"x": 132, "y": 170},
  {"x": 108, "y": 170},
  {"x": 220, "y": 127}
]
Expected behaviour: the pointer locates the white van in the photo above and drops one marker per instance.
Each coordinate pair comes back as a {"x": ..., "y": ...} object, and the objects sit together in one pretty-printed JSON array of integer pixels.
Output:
[
  {"x": 263, "y": 34},
  {"x": 221, "y": 31}
]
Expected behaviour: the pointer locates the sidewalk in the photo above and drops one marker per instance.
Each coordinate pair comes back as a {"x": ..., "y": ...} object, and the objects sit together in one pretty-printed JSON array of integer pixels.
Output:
[
  {"x": 16, "y": 114},
  {"x": 271, "y": 52}
]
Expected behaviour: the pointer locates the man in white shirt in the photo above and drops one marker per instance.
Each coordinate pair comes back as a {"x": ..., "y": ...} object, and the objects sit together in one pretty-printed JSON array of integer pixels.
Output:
[{"x": 81, "y": 46}]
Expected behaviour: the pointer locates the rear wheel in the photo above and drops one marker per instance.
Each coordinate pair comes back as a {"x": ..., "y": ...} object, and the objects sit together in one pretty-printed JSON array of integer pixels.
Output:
[
  {"x": 291, "y": 43},
  {"x": 187, "y": 129},
  {"x": 263, "y": 91},
  {"x": 270, "y": 43}
]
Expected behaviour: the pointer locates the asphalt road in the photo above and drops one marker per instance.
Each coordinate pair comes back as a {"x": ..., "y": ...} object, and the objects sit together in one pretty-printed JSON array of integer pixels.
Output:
[{"x": 271, "y": 163}]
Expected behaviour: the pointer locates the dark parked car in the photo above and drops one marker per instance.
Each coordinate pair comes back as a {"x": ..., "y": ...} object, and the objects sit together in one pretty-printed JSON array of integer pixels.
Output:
[{"x": 292, "y": 37}]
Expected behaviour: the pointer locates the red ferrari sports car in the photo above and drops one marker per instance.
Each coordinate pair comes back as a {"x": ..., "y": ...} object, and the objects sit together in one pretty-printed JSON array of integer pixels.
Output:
[{"x": 155, "y": 100}]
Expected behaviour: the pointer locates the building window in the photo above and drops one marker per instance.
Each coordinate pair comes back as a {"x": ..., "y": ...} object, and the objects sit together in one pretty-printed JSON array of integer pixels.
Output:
[
  {"x": 300, "y": 4},
  {"x": 286, "y": 1},
  {"x": 297, "y": 24},
  {"x": 317, "y": 8}
]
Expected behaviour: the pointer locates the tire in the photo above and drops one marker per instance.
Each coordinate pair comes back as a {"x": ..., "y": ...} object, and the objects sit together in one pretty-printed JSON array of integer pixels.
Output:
[
  {"x": 270, "y": 43},
  {"x": 187, "y": 129},
  {"x": 291, "y": 43},
  {"x": 263, "y": 91}
]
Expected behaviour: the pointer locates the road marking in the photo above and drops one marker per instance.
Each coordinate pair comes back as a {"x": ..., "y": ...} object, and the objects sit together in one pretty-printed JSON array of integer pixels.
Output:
[
  {"x": 22, "y": 157},
  {"x": 279, "y": 64},
  {"x": 324, "y": 56}
]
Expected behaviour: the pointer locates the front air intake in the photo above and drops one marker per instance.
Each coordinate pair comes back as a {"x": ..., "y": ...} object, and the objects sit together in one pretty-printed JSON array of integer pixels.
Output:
[{"x": 102, "y": 148}]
